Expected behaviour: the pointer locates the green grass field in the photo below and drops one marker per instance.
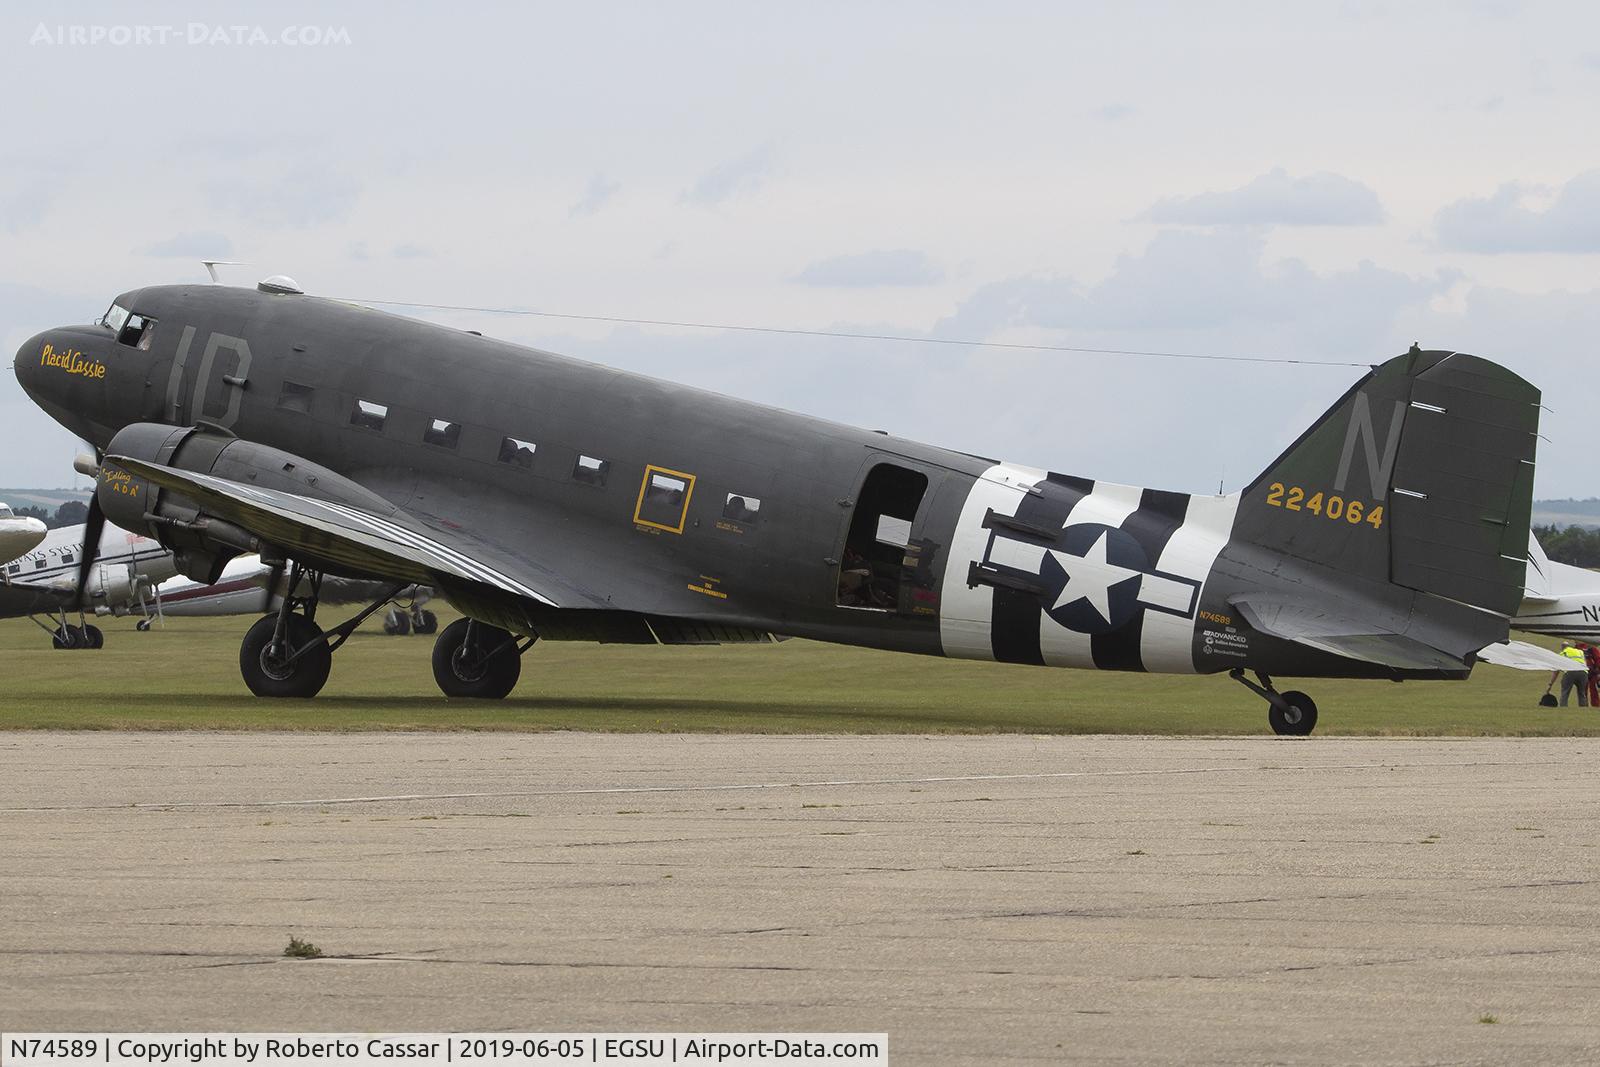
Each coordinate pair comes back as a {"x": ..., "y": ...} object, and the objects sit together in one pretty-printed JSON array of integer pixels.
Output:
[{"x": 185, "y": 675}]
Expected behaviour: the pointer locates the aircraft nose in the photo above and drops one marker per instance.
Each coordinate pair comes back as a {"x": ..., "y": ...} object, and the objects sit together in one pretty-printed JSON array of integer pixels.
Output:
[
  {"x": 64, "y": 372},
  {"x": 27, "y": 362}
]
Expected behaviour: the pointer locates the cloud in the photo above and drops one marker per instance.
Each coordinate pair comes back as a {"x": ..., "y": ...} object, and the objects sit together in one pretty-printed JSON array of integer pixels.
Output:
[
  {"x": 25, "y": 206},
  {"x": 600, "y": 190},
  {"x": 196, "y": 245},
  {"x": 1113, "y": 112},
  {"x": 300, "y": 198},
  {"x": 1276, "y": 199},
  {"x": 412, "y": 251},
  {"x": 736, "y": 177},
  {"x": 1503, "y": 222},
  {"x": 1217, "y": 281},
  {"x": 899, "y": 266}
]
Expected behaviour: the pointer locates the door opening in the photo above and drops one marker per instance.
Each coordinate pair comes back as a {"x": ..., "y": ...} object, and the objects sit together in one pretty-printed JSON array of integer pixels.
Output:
[{"x": 875, "y": 550}]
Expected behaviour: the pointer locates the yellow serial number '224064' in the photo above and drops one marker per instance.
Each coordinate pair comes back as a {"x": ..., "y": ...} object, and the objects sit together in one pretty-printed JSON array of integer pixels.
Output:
[{"x": 1328, "y": 506}]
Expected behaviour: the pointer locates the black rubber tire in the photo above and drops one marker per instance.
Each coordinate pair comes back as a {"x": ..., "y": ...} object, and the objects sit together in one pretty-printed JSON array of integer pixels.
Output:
[
  {"x": 304, "y": 678},
  {"x": 424, "y": 622},
  {"x": 1299, "y": 721},
  {"x": 143, "y": 625},
  {"x": 66, "y": 637},
  {"x": 396, "y": 623},
  {"x": 486, "y": 679},
  {"x": 94, "y": 636}
]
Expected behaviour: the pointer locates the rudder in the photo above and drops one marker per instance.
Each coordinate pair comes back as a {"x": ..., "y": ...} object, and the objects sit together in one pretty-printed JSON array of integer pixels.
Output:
[{"x": 1421, "y": 475}]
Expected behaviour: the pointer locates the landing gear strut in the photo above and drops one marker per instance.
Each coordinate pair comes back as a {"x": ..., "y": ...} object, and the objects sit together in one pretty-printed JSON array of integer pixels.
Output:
[
  {"x": 474, "y": 659},
  {"x": 65, "y": 635},
  {"x": 1291, "y": 714},
  {"x": 287, "y": 654}
]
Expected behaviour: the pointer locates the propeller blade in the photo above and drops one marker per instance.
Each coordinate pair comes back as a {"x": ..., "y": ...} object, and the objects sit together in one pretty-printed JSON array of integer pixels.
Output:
[{"x": 93, "y": 525}]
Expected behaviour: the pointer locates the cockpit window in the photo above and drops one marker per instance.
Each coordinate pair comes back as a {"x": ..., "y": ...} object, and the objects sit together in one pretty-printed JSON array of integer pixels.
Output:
[
  {"x": 115, "y": 318},
  {"x": 137, "y": 332},
  {"x": 5, "y": 512}
]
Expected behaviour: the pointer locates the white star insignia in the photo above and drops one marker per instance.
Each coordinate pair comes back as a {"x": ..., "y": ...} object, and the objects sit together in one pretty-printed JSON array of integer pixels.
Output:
[{"x": 1090, "y": 577}]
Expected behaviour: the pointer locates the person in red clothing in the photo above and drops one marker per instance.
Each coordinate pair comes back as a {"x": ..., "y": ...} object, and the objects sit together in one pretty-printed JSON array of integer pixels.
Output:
[{"x": 1591, "y": 656}]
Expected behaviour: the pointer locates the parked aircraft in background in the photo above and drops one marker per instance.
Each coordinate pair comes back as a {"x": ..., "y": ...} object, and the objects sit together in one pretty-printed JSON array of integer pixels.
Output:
[
  {"x": 249, "y": 587},
  {"x": 119, "y": 579},
  {"x": 1561, "y": 600},
  {"x": 18, "y": 534},
  {"x": 551, "y": 498}
]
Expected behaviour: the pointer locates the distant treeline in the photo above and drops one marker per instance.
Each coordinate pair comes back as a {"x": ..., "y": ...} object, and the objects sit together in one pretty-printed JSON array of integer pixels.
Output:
[
  {"x": 72, "y": 513},
  {"x": 1577, "y": 545},
  {"x": 1571, "y": 506}
]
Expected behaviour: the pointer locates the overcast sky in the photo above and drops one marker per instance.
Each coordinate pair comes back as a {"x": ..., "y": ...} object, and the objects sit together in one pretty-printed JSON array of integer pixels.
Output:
[{"x": 1325, "y": 182}]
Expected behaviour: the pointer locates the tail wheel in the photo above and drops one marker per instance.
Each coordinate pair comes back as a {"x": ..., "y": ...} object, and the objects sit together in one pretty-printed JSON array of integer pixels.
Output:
[
  {"x": 471, "y": 659},
  {"x": 396, "y": 623},
  {"x": 269, "y": 671},
  {"x": 424, "y": 621},
  {"x": 1297, "y": 719}
]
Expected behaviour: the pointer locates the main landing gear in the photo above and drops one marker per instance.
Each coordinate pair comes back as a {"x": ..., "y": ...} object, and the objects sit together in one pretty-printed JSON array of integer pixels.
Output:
[
  {"x": 1291, "y": 714},
  {"x": 474, "y": 659},
  {"x": 65, "y": 635},
  {"x": 286, "y": 654},
  {"x": 399, "y": 621}
]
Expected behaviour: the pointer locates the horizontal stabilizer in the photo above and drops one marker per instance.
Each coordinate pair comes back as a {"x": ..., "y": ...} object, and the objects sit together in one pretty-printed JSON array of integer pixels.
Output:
[
  {"x": 1342, "y": 635},
  {"x": 1524, "y": 657}
]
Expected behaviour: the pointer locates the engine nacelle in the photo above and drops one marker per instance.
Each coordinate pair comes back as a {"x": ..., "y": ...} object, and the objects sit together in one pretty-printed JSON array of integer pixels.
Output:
[
  {"x": 202, "y": 544},
  {"x": 112, "y": 584}
]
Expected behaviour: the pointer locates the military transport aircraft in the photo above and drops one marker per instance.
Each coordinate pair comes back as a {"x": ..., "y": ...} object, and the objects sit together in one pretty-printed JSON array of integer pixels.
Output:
[
  {"x": 18, "y": 533},
  {"x": 551, "y": 498}
]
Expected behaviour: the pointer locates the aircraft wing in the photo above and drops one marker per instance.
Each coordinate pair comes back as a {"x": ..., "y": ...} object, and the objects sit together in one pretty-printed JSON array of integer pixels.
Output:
[{"x": 397, "y": 545}]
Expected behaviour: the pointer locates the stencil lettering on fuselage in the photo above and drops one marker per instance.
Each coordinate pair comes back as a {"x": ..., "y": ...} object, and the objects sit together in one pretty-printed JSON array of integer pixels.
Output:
[{"x": 1063, "y": 571}]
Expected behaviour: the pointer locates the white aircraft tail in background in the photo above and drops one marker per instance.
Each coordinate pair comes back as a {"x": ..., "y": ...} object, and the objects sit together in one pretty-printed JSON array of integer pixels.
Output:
[{"x": 1560, "y": 601}]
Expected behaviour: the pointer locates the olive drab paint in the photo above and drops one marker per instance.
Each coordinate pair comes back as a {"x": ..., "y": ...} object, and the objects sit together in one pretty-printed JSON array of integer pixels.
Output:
[{"x": 558, "y": 498}]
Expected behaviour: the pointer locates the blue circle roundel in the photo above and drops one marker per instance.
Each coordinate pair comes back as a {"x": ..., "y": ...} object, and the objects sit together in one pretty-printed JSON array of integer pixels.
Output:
[{"x": 1092, "y": 579}]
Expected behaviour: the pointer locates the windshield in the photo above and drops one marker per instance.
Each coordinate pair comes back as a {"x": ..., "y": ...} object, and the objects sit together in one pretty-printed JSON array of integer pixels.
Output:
[
  {"x": 5, "y": 512},
  {"x": 114, "y": 318}
]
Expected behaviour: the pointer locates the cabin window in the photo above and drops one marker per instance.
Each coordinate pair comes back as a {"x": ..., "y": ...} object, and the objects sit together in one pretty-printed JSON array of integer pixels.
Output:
[
  {"x": 137, "y": 332},
  {"x": 295, "y": 397},
  {"x": 591, "y": 471},
  {"x": 442, "y": 432},
  {"x": 14, "y": 568},
  {"x": 368, "y": 415},
  {"x": 741, "y": 508},
  {"x": 66, "y": 557},
  {"x": 39, "y": 563},
  {"x": 664, "y": 499},
  {"x": 517, "y": 453}
]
